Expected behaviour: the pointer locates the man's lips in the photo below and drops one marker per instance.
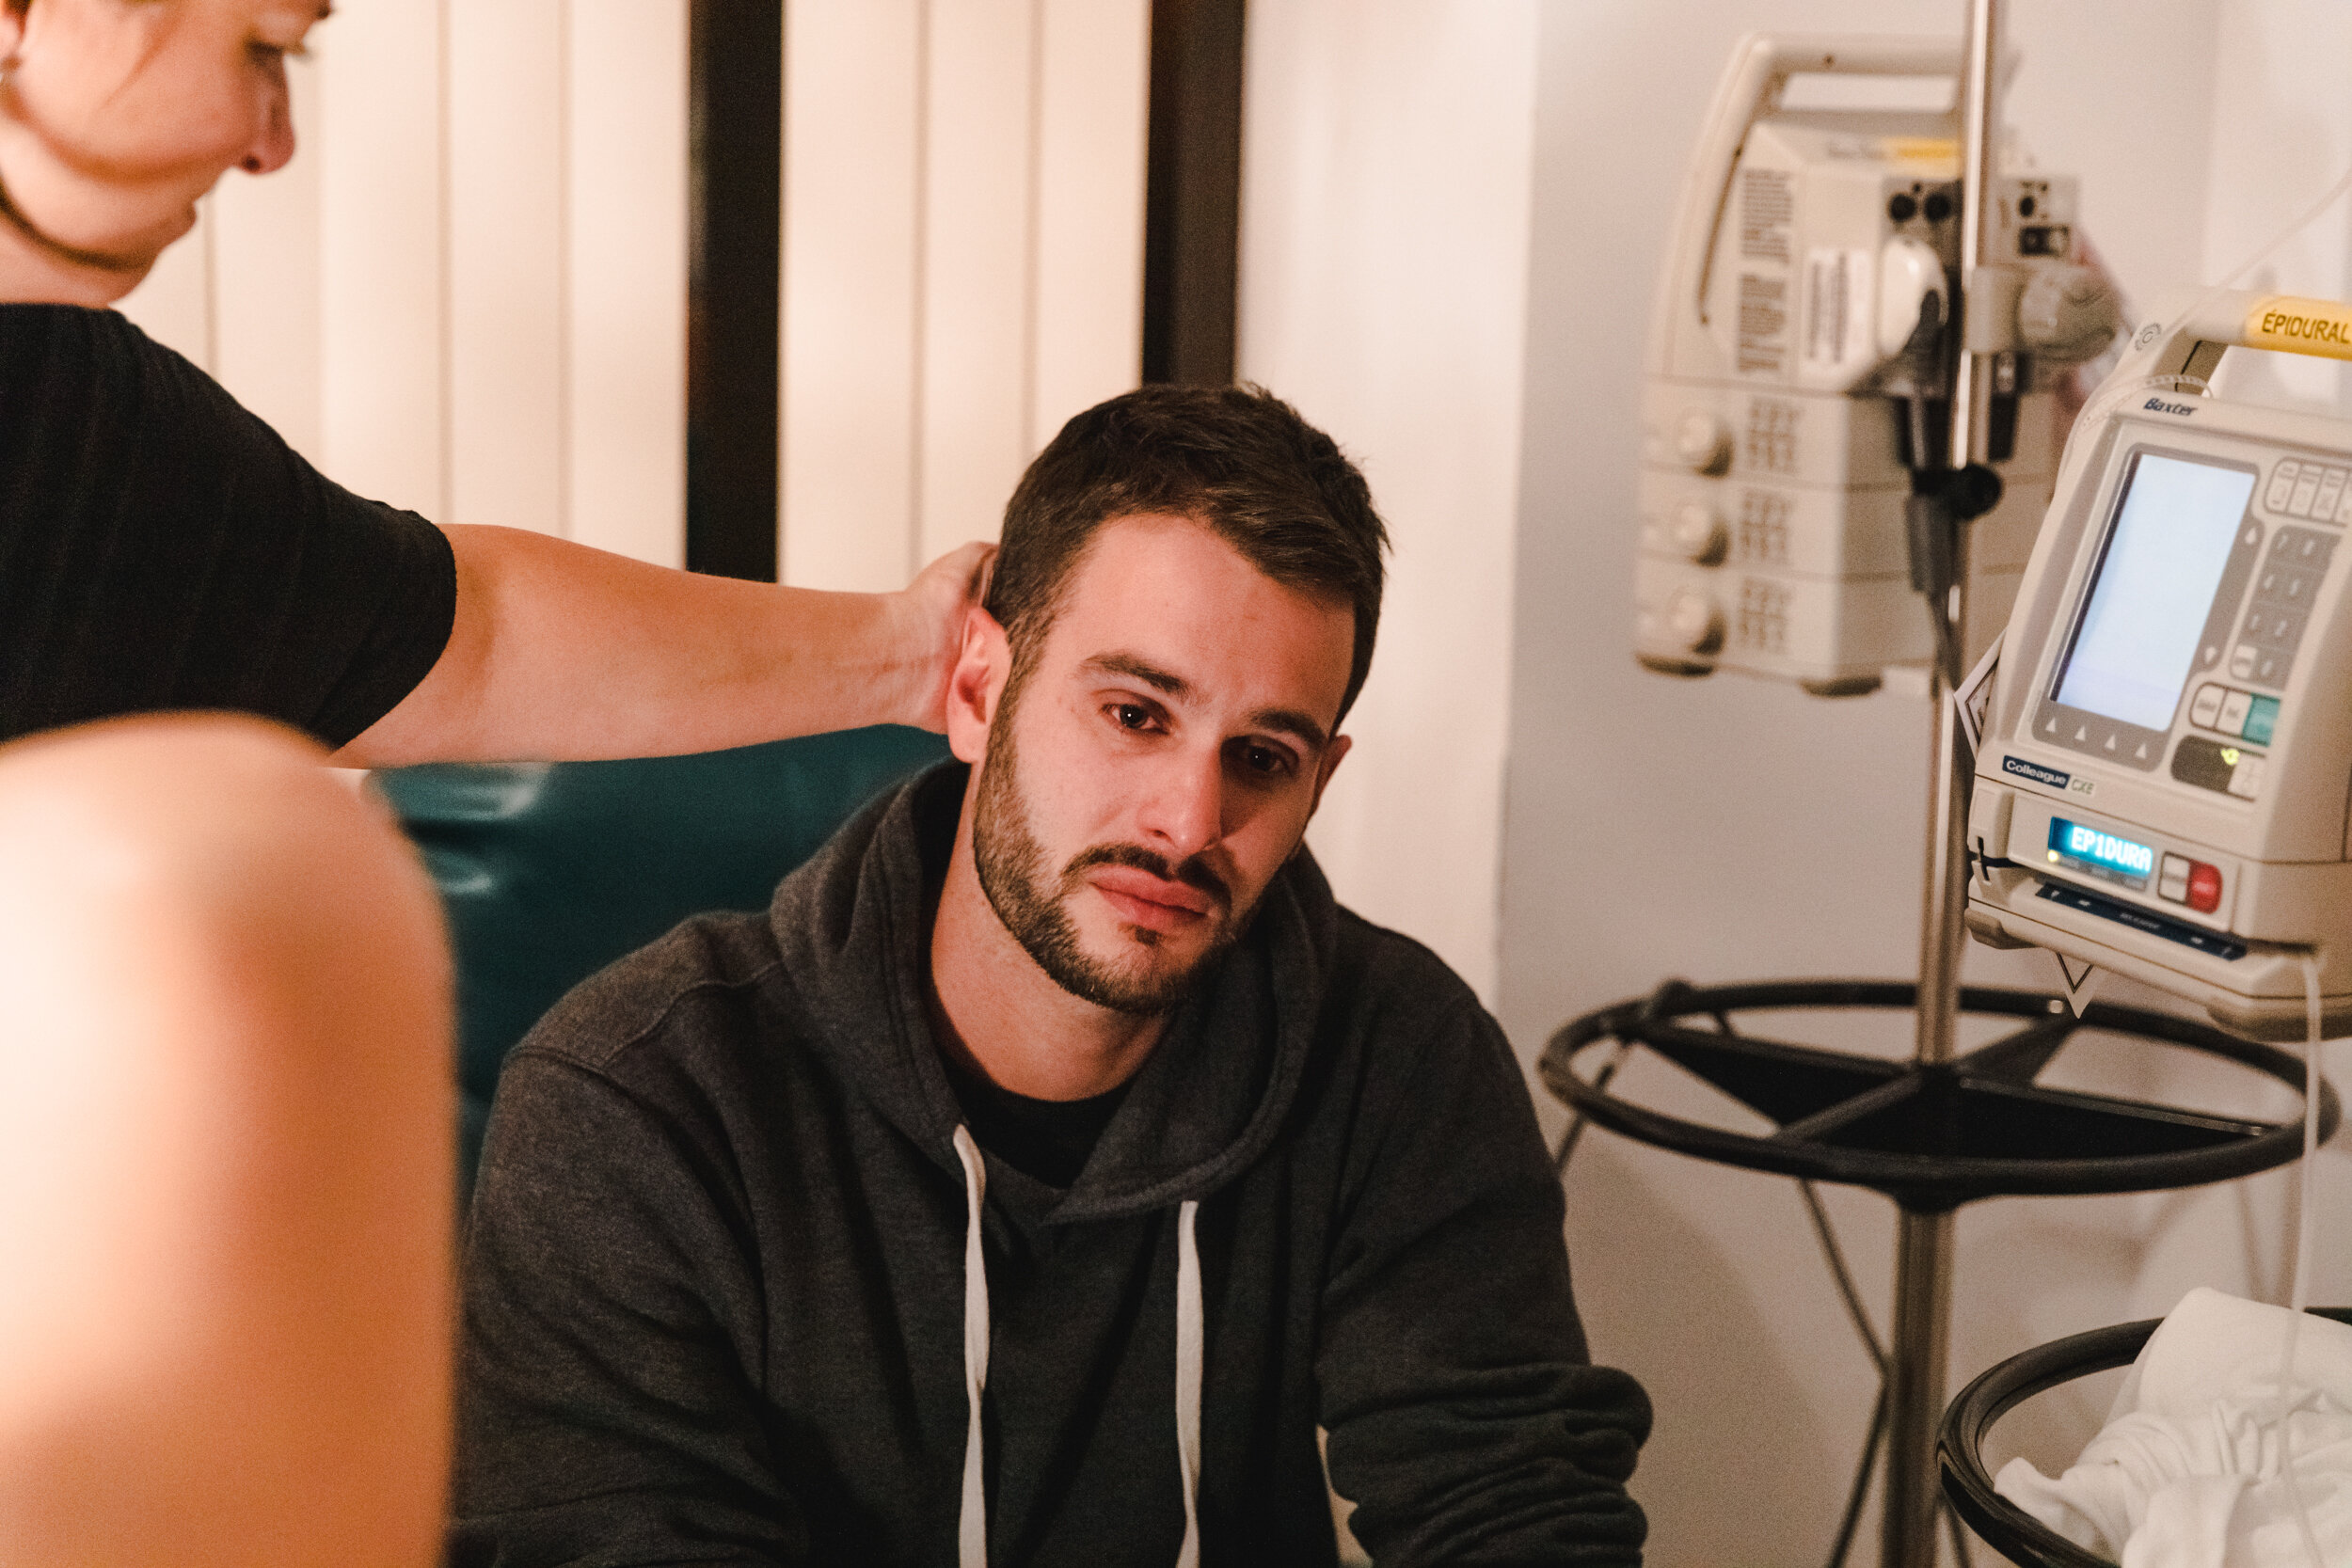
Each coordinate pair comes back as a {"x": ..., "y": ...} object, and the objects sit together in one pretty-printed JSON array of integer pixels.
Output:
[{"x": 1143, "y": 899}]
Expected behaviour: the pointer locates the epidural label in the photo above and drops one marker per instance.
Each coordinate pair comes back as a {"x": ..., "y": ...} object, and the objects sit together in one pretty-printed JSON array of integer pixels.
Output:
[{"x": 2294, "y": 325}]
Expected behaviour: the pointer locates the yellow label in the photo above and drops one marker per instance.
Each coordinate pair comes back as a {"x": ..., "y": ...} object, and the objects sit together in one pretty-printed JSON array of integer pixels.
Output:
[
  {"x": 1942, "y": 154},
  {"x": 2294, "y": 326}
]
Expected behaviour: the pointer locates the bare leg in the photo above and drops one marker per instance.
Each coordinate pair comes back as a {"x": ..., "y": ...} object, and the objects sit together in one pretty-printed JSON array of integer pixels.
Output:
[{"x": 225, "y": 1159}]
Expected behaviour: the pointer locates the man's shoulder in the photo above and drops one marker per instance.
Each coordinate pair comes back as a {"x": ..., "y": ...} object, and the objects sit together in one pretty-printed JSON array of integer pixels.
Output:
[
  {"x": 696, "y": 981},
  {"x": 1401, "y": 1009},
  {"x": 1376, "y": 962}
]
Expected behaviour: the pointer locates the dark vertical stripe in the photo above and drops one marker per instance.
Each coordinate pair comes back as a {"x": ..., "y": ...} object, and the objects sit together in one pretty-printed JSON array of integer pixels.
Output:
[
  {"x": 735, "y": 233},
  {"x": 1192, "y": 201}
]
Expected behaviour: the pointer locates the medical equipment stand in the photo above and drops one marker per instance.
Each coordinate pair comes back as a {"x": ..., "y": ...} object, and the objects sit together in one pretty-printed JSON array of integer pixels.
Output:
[
  {"x": 1921, "y": 1334},
  {"x": 1946, "y": 1127}
]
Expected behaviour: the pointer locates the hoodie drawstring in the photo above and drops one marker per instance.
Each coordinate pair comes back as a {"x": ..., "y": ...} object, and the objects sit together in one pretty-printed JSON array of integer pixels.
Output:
[
  {"x": 972, "y": 1522},
  {"x": 1188, "y": 1337}
]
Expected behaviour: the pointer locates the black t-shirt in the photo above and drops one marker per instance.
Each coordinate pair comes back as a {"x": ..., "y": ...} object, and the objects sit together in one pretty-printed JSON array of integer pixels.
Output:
[
  {"x": 161, "y": 547},
  {"x": 1046, "y": 1139}
]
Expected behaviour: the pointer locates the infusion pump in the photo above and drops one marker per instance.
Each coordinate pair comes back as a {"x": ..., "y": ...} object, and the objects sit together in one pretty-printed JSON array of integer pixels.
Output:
[
  {"x": 1798, "y": 351},
  {"x": 2164, "y": 777}
]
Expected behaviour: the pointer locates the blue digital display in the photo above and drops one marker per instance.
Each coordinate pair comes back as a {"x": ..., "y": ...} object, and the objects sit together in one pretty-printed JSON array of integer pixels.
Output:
[{"x": 2102, "y": 854}]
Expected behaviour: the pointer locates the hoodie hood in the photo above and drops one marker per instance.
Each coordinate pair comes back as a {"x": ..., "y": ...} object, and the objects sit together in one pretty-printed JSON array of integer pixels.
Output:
[{"x": 853, "y": 926}]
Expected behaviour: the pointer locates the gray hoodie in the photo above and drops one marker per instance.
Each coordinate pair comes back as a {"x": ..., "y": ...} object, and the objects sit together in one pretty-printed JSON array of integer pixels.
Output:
[{"x": 718, "y": 1307}]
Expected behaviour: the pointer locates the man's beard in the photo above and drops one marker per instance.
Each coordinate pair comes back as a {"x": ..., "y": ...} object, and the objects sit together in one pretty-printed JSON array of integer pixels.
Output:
[{"x": 1012, "y": 871}]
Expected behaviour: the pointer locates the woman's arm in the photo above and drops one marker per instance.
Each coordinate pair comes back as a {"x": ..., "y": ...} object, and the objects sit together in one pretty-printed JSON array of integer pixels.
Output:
[{"x": 561, "y": 652}]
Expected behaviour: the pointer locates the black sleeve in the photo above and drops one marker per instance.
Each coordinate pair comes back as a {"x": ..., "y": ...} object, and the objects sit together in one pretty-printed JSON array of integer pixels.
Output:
[
  {"x": 607, "y": 1410},
  {"x": 1466, "y": 1422},
  {"x": 163, "y": 548}
]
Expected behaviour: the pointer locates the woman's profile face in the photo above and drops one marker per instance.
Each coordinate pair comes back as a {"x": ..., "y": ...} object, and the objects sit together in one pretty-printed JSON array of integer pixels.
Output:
[{"x": 117, "y": 115}]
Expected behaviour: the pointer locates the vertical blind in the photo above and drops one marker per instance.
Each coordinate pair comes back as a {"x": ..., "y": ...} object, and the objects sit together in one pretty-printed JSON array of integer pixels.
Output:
[{"x": 468, "y": 293}]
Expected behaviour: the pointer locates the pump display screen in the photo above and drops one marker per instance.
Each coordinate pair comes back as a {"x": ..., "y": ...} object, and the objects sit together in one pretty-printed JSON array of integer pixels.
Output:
[
  {"x": 2081, "y": 848},
  {"x": 2146, "y": 607}
]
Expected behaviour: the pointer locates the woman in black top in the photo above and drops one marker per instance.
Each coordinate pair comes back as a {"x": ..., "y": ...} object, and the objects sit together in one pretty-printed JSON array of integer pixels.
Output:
[
  {"x": 162, "y": 548},
  {"x": 224, "y": 997}
]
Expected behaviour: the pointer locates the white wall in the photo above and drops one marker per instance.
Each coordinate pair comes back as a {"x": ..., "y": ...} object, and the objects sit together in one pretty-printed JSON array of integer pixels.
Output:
[
  {"x": 1383, "y": 287},
  {"x": 1735, "y": 830}
]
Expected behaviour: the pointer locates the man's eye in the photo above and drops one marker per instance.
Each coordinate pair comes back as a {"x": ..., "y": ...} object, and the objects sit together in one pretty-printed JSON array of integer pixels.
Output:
[
  {"x": 1264, "y": 759},
  {"x": 1132, "y": 716}
]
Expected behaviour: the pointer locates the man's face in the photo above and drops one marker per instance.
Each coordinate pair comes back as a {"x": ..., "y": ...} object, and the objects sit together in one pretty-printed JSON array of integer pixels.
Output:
[{"x": 1159, "y": 762}]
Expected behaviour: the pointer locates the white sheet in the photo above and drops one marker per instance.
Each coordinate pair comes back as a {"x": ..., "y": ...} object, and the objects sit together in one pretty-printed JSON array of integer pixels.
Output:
[{"x": 2187, "y": 1474}]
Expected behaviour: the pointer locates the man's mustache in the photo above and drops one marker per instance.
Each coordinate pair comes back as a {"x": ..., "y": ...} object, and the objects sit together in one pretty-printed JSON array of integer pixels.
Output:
[{"x": 1192, "y": 873}]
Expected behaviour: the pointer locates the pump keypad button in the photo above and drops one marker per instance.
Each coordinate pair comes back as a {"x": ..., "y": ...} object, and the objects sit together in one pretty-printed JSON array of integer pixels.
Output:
[
  {"x": 2251, "y": 715},
  {"x": 2303, "y": 547},
  {"x": 2224, "y": 770},
  {"x": 2275, "y": 620},
  {"x": 2281, "y": 486},
  {"x": 2305, "y": 490},
  {"x": 2330, "y": 494}
]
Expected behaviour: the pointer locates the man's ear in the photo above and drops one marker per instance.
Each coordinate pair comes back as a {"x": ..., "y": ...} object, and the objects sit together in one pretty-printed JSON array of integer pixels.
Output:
[
  {"x": 975, "y": 684},
  {"x": 1330, "y": 765}
]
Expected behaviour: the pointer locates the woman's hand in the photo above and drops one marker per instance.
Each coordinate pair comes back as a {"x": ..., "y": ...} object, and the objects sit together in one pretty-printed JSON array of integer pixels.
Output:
[{"x": 930, "y": 611}]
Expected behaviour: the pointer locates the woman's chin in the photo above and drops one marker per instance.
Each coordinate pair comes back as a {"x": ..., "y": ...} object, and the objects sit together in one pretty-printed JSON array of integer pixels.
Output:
[
  {"x": 141, "y": 247},
  {"x": 131, "y": 253},
  {"x": 125, "y": 250}
]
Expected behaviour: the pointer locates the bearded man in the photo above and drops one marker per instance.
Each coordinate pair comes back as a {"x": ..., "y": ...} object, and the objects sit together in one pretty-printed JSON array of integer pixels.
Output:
[{"x": 1054, "y": 1157}]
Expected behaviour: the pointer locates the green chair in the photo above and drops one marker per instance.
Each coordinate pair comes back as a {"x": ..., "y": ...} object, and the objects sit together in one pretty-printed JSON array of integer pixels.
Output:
[{"x": 549, "y": 871}]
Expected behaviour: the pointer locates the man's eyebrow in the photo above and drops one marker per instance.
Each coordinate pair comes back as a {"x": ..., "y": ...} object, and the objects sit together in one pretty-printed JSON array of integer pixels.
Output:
[
  {"x": 1135, "y": 669},
  {"x": 1284, "y": 721},
  {"x": 1290, "y": 722}
]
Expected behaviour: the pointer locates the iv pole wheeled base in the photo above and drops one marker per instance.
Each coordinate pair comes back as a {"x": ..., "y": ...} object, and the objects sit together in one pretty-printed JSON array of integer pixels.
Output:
[{"x": 1930, "y": 1135}]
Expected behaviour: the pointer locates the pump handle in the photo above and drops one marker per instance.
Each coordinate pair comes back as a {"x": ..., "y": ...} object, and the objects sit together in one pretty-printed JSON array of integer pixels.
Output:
[
  {"x": 1758, "y": 69},
  {"x": 2178, "y": 346},
  {"x": 2188, "y": 340}
]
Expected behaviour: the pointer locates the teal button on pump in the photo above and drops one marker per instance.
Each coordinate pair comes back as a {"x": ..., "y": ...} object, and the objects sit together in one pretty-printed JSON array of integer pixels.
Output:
[{"x": 2262, "y": 716}]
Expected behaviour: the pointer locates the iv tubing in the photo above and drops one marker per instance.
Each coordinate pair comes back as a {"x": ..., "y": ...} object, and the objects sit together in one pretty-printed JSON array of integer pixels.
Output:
[
  {"x": 2096, "y": 411},
  {"x": 2298, "y": 1290}
]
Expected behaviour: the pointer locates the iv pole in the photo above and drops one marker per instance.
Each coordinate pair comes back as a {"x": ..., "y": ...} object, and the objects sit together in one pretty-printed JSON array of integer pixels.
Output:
[{"x": 1923, "y": 1247}]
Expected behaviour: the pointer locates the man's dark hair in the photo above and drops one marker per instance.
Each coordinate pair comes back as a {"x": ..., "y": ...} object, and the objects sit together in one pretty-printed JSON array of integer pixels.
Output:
[{"x": 1236, "y": 459}]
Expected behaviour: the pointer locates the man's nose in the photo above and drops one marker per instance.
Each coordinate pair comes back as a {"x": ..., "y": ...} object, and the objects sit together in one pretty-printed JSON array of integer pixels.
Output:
[{"x": 1184, "y": 813}]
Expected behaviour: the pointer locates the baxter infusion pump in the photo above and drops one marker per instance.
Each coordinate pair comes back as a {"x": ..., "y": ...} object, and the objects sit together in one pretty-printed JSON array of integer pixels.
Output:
[
  {"x": 2165, "y": 769},
  {"x": 1799, "y": 350}
]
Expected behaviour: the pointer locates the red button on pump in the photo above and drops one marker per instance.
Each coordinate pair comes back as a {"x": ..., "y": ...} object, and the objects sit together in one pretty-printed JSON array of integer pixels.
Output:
[{"x": 2205, "y": 887}]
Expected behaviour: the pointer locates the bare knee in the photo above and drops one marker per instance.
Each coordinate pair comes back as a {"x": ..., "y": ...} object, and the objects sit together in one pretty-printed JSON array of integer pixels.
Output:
[{"x": 224, "y": 1155}]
